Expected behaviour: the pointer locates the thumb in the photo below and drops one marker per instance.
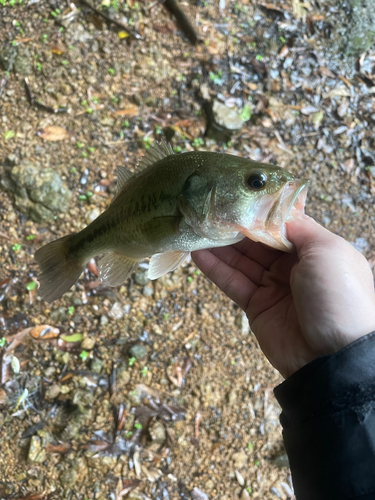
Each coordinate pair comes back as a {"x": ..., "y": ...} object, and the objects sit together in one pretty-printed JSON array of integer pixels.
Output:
[{"x": 303, "y": 232}]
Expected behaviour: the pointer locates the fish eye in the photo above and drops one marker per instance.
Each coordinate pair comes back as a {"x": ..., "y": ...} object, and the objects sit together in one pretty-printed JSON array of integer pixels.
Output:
[{"x": 257, "y": 180}]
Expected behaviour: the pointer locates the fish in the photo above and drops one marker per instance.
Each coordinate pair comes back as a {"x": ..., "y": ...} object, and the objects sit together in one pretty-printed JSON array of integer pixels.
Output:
[{"x": 171, "y": 205}]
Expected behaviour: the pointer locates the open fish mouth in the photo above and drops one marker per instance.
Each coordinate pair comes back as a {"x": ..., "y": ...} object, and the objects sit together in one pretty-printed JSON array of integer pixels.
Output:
[
  {"x": 291, "y": 202},
  {"x": 269, "y": 227}
]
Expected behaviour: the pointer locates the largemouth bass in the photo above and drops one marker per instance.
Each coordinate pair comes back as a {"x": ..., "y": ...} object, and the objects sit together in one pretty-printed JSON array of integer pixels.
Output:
[{"x": 171, "y": 206}]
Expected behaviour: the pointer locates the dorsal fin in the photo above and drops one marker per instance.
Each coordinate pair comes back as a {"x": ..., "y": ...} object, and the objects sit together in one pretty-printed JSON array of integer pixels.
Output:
[
  {"x": 156, "y": 152},
  {"x": 123, "y": 175}
]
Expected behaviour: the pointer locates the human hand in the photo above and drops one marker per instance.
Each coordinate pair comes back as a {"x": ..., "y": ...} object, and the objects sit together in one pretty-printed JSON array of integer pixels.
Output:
[{"x": 300, "y": 306}]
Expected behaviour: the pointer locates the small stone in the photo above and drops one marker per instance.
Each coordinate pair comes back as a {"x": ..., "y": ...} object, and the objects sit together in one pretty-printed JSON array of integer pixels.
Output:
[
  {"x": 88, "y": 343},
  {"x": 122, "y": 376},
  {"x": 91, "y": 215},
  {"x": 148, "y": 291},
  {"x": 157, "y": 432},
  {"x": 36, "y": 453},
  {"x": 222, "y": 121},
  {"x": 239, "y": 459},
  {"x": 96, "y": 365},
  {"x": 138, "y": 351},
  {"x": 53, "y": 391},
  {"x": 68, "y": 478},
  {"x": 62, "y": 357},
  {"x": 104, "y": 320},
  {"x": 116, "y": 311},
  {"x": 281, "y": 461},
  {"x": 198, "y": 494},
  {"x": 141, "y": 278},
  {"x": 82, "y": 397}
]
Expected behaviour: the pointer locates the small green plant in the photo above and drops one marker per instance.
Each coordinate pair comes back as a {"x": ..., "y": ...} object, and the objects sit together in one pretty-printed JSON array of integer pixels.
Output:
[
  {"x": 198, "y": 141},
  {"x": 91, "y": 149},
  {"x": 248, "y": 489},
  {"x": 71, "y": 310},
  {"x": 83, "y": 355},
  {"x": 88, "y": 194},
  {"x": 80, "y": 145},
  {"x": 111, "y": 71},
  {"x": 2, "y": 342},
  {"x": 144, "y": 371},
  {"x": 9, "y": 134},
  {"x": 166, "y": 316},
  {"x": 16, "y": 247},
  {"x": 249, "y": 446},
  {"x": 128, "y": 434},
  {"x": 146, "y": 142},
  {"x": 65, "y": 62},
  {"x": 138, "y": 426},
  {"x": 131, "y": 361},
  {"x": 84, "y": 102},
  {"x": 44, "y": 37},
  {"x": 258, "y": 57},
  {"x": 30, "y": 237},
  {"x": 114, "y": 98},
  {"x": 73, "y": 170},
  {"x": 31, "y": 286},
  {"x": 282, "y": 39},
  {"x": 125, "y": 124},
  {"x": 38, "y": 66},
  {"x": 95, "y": 100},
  {"x": 189, "y": 279},
  {"x": 89, "y": 111},
  {"x": 84, "y": 154},
  {"x": 177, "y": 149},
  {"x": 82, "y": 197},
  {"x": 158, "y": 129},
  {"x": 216, "y": 77},
  {"x": 245, "y": 113},
  {"x": 233, "y": 362}
]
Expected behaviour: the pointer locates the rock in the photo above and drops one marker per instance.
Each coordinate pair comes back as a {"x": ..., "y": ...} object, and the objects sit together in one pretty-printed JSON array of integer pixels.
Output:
[
  {"x": 148, "y": 291},
  {"x": 198, "y": 494},
  {"x": 7, "y": 57},
  {"x": 76, "y": 33},
  {"x": 68, "y": 478},
  {"x": 38, "y": 192},
  {"x": 140, "y": 278},
  {"x": 82, "y": 397},
  {"x": 239, "y": 459},
  {"x": 58, "y": 316},
  {"x": 103, "y": 320},
  {"x": 53, "y": 391},
  {"x": 122, "y": 376},
  {"x": 96, "y": 365},
  {"x": 116, "y": 311},
  {"x": 91, "y": 215},
  {"x": 88, "y": 343},
  {"x": 157, "y": 432},
  {"x": 222, "y": 121},
  {"x": 281, "y": 461},
  {"x": 23, "y": 63},
  {"x": 138, "y": 351},
  {"x": 36, "y": 453}
]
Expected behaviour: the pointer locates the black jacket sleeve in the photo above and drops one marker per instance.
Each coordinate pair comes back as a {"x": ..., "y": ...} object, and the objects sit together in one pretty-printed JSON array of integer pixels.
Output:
[{"x": 328, "y": 419}]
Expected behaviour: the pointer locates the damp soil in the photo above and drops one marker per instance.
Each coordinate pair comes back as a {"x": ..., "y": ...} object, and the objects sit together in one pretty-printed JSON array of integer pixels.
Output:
[{"x": 158, "y": 389}]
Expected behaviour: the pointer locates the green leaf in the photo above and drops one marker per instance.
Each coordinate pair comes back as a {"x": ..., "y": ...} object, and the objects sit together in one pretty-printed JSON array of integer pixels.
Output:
[
  {"x": 9, "y": 134},
  {"x": 137, "y": 425},
  {"x": 75, "y": 337},
  {"x": 84, "y": 355},
  {"x": 245, "y": 113},
  {"x": 16, "y": 247},
  {"x": 31, "y": 286},
  {"x": 2, "y": 342}
]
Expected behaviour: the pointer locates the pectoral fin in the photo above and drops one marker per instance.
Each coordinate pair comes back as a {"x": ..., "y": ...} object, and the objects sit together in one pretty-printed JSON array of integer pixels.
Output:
[
  {"x": 115, "y": 268},
  {"x": 162, "y": 263}
]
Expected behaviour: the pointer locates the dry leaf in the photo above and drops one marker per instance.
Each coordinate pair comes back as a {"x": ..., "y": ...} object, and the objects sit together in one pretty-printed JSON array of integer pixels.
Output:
[
  {"x": 128, "y": 112},
  {"x": 54, "y": 133}
]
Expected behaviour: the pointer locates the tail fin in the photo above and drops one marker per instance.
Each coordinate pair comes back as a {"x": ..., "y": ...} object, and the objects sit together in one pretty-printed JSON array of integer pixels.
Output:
[{"x": 59, "y": 272}]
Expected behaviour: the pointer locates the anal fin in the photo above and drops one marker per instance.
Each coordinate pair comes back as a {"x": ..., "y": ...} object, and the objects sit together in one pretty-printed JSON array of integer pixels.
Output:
[
  {"x": 163, "y": 263},
  {"x": 115, "y": 268}
]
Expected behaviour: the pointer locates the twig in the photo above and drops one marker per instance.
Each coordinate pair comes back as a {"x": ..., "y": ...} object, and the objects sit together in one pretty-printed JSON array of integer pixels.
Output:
[
  {"x": 111, "y": 20},
  {"x": 182, "y": 20}
]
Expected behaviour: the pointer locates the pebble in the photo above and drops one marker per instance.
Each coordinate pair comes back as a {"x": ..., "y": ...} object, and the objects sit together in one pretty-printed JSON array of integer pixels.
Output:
[
  {"x": 148, "y": 291},
  {"x": 116, "y": 311},
  {"x": 138, "y": 351},
  {"x": 96, "y": 365},
  {"x": 53, "y": 391},
  {"x": 91, "y": 215},
  {"x": 239, "y": 459},
  {"x": 104, "y": 320},
  {"x": 88, "y": 343},
  {"x": 140, "y": 278}
]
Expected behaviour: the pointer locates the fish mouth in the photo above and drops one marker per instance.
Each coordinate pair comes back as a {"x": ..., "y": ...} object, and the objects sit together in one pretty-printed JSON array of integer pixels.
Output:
[{"x": 270, "y": 222}]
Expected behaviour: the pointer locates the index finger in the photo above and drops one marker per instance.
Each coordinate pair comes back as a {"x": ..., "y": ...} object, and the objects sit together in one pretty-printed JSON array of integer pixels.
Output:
[{"x": 232, "y": 282}]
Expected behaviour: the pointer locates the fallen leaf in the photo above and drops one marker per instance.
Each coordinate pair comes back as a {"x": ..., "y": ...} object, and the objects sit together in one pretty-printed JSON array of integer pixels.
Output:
[
  {"x": 75, "y": 337},
  {"x": 54, "y": 133},
  {"x": 128, "y": 112}
]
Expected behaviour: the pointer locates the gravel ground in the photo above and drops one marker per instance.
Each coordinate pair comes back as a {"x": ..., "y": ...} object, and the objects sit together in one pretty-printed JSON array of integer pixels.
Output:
[{"x": 158, "y": 389}]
